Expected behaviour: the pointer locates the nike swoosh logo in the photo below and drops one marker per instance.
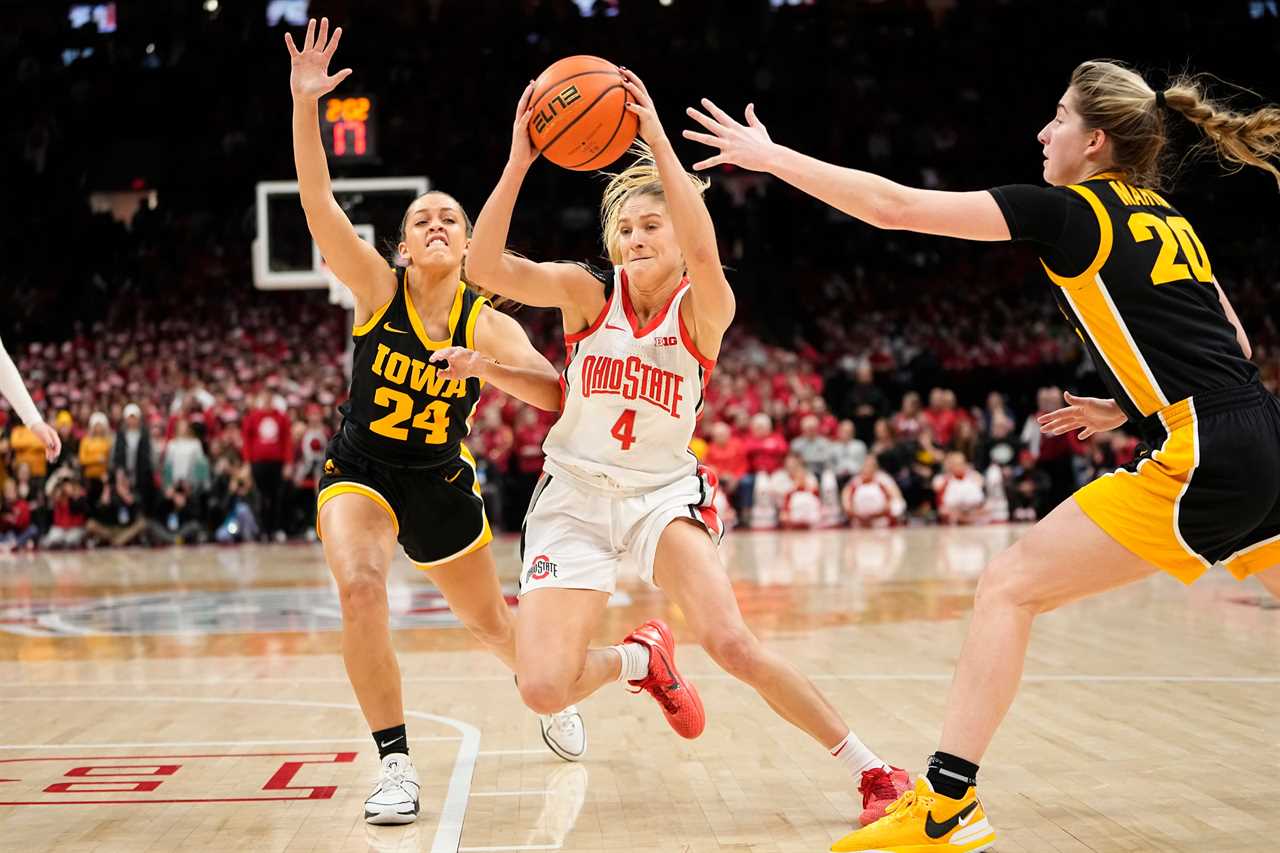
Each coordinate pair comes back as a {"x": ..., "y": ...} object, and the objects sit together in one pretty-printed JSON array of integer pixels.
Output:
[
  {"x": 937, "y": 830},
  {"x": 393, "y": 740},
  {"x": 615, "y": 328},
  {"x": 455, "y": 476},
  {"x": 391, "y": 328}
]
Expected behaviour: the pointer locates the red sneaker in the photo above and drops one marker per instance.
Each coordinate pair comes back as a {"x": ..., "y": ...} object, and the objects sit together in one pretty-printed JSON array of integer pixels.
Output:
[
  {"x": 879, "y": 788},
  {"x": 677, "y": 696}
]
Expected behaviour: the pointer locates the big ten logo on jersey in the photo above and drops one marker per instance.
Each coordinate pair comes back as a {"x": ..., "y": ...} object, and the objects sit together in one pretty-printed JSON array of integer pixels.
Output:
[
  {"x": 541, "y": 567},
  {"x": 632, "y": 379},
  {"x": 665, "y": 341},
  {"x": 398, "y": 368},
  {"x": 548, "y": 113}
]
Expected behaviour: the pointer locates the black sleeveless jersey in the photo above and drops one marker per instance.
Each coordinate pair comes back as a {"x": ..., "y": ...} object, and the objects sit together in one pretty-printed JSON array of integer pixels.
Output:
[
  {"x": 1134, "y": 280},
  {"x": 401, "y": 411}
]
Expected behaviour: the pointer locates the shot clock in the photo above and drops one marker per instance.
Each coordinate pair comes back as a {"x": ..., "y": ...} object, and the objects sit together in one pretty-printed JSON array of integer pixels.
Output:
[{"x": 348, "y": 129}]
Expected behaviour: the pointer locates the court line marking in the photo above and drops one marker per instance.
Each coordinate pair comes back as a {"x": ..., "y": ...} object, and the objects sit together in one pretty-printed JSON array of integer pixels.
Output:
[
  {"x": 511, "y": 847},
  {"x": 448, "y": 830},
  {"x": 508, "y": 793},
  {"x": 708, "y": 676},
  {"x": 160, "y": 744},
  {"x": 512, "y": 752}
]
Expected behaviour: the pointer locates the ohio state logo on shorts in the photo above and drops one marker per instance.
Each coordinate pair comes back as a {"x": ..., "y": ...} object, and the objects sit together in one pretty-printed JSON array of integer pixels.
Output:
[{"x": 541, "y": 567}]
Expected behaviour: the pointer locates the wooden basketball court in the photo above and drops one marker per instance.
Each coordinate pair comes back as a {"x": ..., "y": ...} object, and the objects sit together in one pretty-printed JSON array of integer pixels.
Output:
[{"x": 158, "y": 700}]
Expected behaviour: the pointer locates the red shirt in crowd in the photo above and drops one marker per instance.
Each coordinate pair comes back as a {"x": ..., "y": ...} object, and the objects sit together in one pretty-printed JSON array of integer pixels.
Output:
[
  {"x": 728, "y": 459},
  {"x": 267, "y": 436},
  {"x": 942, "y": 422},
  {"x": 67, "y": 515},
  {"x": 529, "y": 447},
  {"x": 766, "y": 454},
  {"x": 18, "y": 518}
]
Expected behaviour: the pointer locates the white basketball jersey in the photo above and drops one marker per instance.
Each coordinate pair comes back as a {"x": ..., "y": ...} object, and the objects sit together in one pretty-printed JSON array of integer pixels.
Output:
[{"x": 632, "y": 397}]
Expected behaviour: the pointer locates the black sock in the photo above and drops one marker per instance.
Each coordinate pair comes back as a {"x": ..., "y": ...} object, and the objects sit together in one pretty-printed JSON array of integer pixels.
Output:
[
  {"x": 950, "y": 775},
  {"x": 391, "y": 740}
]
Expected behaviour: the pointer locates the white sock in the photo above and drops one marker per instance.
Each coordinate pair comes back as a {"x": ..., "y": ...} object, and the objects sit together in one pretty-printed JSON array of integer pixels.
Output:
[
  {"x": 856, "y": 757},
  {"x": 635, "y": 661}
]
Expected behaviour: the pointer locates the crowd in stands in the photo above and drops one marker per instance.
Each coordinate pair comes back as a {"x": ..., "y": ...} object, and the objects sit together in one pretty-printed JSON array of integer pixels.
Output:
[{"x": 871, "y": 378}]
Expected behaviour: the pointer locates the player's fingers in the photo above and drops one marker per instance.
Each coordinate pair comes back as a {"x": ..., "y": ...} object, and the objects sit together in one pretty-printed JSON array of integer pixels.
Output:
[
  {"x": 751, "y": 117},
  {"x": 442, "y": 354},
  {"x": 340, "y": 76},
  {"x": 288, "y": 42},
  {"x": 1072, "y": 398},
  {"x": 333, "y": 44},
  {"x": 709, "y": 163},
  {"x": 704, "y": 138},
  {"x": 706, "y": 121},
  {"x": 310, "y": 40},
  {"x": 322, "y": 37},
  {"x": 523, "y": 106},
  {"x": 720, "y": 115},
  {"x": 1086, "y": 432}
]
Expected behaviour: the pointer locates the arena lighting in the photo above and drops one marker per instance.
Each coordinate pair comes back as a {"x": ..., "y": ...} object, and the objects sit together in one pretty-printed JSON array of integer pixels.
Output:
[
  {"x": 665, "y": 2},
  {"x": 211, "y": 6}
]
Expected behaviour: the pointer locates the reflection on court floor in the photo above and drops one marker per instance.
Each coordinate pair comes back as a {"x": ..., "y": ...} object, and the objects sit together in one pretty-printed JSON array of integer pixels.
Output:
[{"x": 196, "y": 699}]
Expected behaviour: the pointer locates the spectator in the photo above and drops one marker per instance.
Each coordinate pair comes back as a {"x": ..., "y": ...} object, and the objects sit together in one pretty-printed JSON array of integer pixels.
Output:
[
  {"x": 960, "y": 490},
  {"x": 17, "y": 530},
  {"x": 1052, "y": 453},
  {"x": 29, "y": 450},
  {"x": 865, "y": 403},
  {"x": 179, "y": 518},
  {"x": 116, "y": 517},
  {"x": 95, "y": 448},
  {"x": 530, "y": 431},
  {"x": 267, "y": 437},
  {"x": 727, "y": 456},
  {"x": 234, "y": 504},
  {"x": 132, "y": 454},
  {"x": 814, "y": 449},
  {"x": 941, "y": 416},
  {"x": 184, "y": 460},
  {"x": 65, "y": 424},
  {"x": 907, "y": 421},
  {"x": 872, "y": 498},
  {"x": 848, "y": 452},
  {"x": 757, "y": 491},
  {"x": 69, "y": 512},
  {"x": 800, "y": 507}
]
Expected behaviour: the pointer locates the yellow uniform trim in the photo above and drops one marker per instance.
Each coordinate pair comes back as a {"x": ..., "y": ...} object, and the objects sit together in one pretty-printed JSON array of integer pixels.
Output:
[
  {"x": 486, "y": 532},
  {"x": 1256, "y": 558},
  {"x": 454, "y": 313},
  {"x": 1109, "y": 332},
  {"x": 471, "y": 321},
  {"x": 1139, "y": 509},
  {"x": 328, "y": 493},
  {"x": 367, "y": 326},
  {"x": 1104, "y": 244}
]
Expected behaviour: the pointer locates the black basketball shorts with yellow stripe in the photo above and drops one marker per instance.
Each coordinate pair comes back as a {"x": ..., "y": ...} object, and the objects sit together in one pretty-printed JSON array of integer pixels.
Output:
[
  {"x": 1208, "y": 493},
  {"x": 437, "y": 512}
]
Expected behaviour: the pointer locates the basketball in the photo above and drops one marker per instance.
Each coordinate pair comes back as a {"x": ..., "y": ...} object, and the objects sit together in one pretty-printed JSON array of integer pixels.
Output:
[{"x": 580, "y": 118}]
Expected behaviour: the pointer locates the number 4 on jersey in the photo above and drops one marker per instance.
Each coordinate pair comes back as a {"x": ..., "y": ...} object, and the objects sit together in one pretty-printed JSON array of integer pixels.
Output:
[{"x": 624, "y": 429}]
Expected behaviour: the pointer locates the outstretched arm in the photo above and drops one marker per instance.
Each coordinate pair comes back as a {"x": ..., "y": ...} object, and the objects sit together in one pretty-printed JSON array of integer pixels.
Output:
[
  {"x": 549, "y": 285},
  {"x": 875, "y": 200},
  {"x": 357, "y": 263},
  {"x": 713, "y": 302},
  {"x": 504, "y": 358},
  {"x": 13, "y": 389}
]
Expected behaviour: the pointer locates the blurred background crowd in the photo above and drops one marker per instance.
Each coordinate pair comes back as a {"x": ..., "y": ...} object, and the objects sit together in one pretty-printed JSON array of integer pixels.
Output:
[{"x": 872, "y": 378}]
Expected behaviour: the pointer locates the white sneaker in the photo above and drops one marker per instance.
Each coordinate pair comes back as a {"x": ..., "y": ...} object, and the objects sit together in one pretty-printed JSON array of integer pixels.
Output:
[
  {"x": 395, "y": 796},
  {"x": 564, "y": 733}
]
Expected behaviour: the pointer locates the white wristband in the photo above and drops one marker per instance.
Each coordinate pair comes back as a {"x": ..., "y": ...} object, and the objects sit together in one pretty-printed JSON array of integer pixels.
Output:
[{"x": 13, "y": 390}]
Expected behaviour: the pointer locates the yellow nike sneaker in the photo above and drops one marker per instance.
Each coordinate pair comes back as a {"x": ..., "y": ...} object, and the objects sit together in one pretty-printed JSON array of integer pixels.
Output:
[{"x": 923, "y": 821}]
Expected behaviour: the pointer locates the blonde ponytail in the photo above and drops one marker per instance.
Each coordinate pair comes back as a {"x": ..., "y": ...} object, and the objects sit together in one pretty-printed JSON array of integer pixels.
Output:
[{"x": 1240, "y": 139}]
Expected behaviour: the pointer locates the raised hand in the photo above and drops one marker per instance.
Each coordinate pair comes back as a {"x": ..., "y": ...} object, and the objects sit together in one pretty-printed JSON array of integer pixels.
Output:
[
  {"x": 310, "y": 76},
  {"x": 1089, "y": 414},
  {"x": 642, "y": 105},
  {"x": 463, "y": 363},
  {"x": 522, "y": 151},
  {"x": 747, "y": 146}
]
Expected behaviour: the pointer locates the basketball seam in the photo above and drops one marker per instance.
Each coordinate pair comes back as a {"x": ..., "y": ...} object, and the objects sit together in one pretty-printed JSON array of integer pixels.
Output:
[
  {"x": 626, "y": 99},
  {"x": 581, "y": 115}
]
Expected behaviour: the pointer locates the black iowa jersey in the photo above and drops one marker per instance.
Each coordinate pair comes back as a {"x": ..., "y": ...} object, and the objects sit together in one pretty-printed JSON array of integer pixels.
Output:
[
  {"x": 401, "y": 411},
  {"x": 1135, "y": 281}
]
